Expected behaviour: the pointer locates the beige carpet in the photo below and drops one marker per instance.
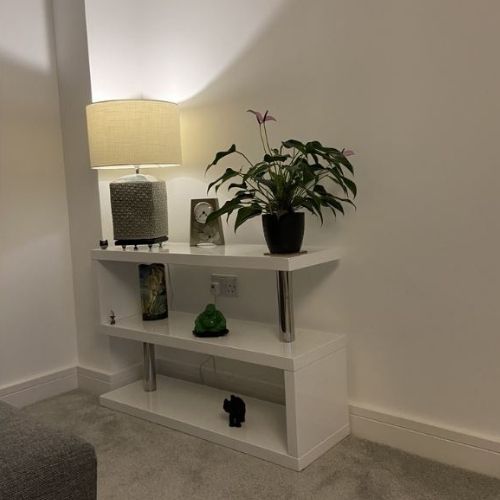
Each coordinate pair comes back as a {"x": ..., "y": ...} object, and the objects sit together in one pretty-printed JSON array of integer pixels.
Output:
[{"x": 143, "y": 461}]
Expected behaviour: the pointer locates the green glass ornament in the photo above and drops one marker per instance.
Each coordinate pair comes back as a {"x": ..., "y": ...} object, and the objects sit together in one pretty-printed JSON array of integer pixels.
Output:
[{"x": 210, "y": 323}]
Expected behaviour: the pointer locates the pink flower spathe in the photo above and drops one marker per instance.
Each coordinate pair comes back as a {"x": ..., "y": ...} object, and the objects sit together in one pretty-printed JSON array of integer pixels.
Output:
[{"x": 262, "y": 118}]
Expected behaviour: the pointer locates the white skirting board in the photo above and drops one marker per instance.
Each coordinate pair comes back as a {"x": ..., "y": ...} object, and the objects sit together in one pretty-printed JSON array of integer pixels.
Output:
[
  {"x": 45, "y": 386},
  {"x": 42, "y": 387},
  {"x": 459, "y": 448},
  {"x": 99, "y": 382},
  {"x": 476, "y": 453}
]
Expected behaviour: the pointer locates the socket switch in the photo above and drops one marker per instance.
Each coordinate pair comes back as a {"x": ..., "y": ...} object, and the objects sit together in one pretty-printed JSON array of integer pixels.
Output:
[{"x": 227, "y": 285}]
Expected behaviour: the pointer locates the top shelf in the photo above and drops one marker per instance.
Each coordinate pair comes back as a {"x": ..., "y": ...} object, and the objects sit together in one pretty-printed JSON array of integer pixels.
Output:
[{"x": 232, "y": 256}]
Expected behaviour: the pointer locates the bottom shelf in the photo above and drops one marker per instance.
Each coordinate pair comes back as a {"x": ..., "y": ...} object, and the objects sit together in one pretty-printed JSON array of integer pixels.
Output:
[{"x": 197, "y": 409}]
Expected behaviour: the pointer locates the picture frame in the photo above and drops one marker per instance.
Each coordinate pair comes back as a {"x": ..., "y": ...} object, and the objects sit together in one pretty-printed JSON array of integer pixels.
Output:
[{"x": 201, "y": 233}]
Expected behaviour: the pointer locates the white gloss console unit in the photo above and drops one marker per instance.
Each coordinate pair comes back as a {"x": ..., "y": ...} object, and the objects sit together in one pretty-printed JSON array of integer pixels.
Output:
[{"x": 315, "y": 414}]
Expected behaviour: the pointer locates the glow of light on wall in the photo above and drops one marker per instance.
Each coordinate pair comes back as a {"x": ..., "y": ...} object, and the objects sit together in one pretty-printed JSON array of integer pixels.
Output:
[{"x": 168, "y": 50}]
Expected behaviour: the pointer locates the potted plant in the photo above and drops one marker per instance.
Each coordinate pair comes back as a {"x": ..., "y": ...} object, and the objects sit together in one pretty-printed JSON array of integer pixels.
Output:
[{"x": 296, "y": 176}]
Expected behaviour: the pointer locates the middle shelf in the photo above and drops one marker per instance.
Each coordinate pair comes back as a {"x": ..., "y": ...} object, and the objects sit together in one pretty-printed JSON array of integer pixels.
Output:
[{"x": 247, "y": 341}]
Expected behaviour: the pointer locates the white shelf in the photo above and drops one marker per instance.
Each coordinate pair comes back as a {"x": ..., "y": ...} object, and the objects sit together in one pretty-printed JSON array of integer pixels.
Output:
[
  {"x": 246, "y": 341},
  {"x": 315, "y": 416},
  {"x": 231, "y": 256},
  {"x": 196, "y": 409}
]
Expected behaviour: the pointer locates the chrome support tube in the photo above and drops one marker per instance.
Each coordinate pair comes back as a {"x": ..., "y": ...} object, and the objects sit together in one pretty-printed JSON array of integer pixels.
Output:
[
  {"x": 149, "y": 367},
  {"x": 285, "y": 305}
]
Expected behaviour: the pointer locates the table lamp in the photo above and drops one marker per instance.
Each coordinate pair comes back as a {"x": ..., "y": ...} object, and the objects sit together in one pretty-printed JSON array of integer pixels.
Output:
[{"x": 135, "y": 134}]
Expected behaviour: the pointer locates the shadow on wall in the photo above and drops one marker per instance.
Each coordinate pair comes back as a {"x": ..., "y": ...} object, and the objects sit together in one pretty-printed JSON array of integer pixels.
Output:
[
  {"x": 32, "y": 186},
  {"x": 33, "y": 200},
  {"x": 297, "y": 81},
  {"x": 37, "y": 321},
  {"x": 280, "y": 58}
]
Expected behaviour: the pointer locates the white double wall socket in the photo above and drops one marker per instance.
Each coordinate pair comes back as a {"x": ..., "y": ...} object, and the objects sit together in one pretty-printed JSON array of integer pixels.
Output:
[{"x": 224, "y": 285}]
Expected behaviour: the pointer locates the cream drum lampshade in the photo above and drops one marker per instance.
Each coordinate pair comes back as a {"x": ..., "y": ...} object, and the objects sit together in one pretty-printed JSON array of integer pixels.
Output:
[
  {"x": 135, "y": 134},
  {"x": 128, "y": 133}
]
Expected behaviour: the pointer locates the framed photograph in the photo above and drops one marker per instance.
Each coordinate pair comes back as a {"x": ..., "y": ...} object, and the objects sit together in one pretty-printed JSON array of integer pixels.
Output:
[{"x": 203, "y": 234}]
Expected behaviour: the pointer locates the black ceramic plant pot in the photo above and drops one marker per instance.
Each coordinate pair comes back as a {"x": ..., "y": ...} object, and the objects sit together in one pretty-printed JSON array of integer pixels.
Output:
[{"x": 284, "y": 234}]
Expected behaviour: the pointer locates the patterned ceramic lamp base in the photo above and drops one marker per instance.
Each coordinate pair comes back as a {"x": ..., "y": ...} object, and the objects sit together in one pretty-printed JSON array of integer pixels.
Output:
[{"x": 139, "y": 212}]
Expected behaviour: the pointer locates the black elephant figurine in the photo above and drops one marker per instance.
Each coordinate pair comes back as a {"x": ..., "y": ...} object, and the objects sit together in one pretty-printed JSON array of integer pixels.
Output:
[{"x": 236, "y": 409}]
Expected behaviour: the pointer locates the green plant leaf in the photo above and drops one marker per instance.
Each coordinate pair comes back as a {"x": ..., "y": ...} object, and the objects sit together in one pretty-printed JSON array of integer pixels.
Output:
[
  {"x": 320, "y": 189},
  {"x": 222, "y": 154},
  {"x": 297, "y": 175},
  {"x": 351, "y": 186},
  {"x": 315, "y": 202},
  {"x": 228, "y": 174},
  {"x": 246, "y": 213},
  {"x": 294, "y": 144},
  {"x": 256, "y": 171},
  {"x": 308, "y": 174},
  {"x": 338, "y": 179},
  {"x": 244, "y": 195},
  {"x": 314, "y": 146},
  {"x": 228, "y": 208},
  {"x": 235, "y": 185},
  {"x": 334, "y": 204},
  {"x": 347, "y": 200},
  {"x": 276, "y": 158},
  {"x": 345, "y": 162},
  {"x": 328, "y": 149},
  {"x": 307, "y": 205}
]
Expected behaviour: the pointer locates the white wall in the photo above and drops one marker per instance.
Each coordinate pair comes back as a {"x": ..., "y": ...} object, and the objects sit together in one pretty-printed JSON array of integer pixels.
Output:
[
  {"x": 411, "y": 86},
  {"x": 95, "y": 351},
  {"x": 37, "y": 315}
]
